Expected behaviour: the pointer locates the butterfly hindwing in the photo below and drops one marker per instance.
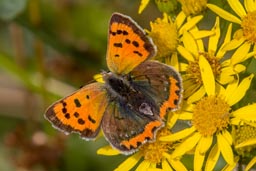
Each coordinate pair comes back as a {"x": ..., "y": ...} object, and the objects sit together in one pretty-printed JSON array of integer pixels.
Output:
[
  {"x": 160, "y": 82},
  {"x": 80, "y": 112},
  {"x": 128, "y": 45},
  {"x": 127, "y": 129}
]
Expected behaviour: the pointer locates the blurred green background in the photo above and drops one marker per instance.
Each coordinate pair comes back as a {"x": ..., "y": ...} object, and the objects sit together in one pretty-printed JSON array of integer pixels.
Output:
[{"x": 49, "y": 48}]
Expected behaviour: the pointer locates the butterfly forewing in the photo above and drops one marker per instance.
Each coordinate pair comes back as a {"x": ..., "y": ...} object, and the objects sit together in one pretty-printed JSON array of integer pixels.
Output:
[
  {"x": 80, "y": 112},
  {"x": 128, "y": 46}
]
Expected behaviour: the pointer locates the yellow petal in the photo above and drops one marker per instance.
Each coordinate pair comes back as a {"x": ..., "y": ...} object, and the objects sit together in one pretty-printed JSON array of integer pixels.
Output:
[
  {"x": 198, "y": 159},
  {"x": 129, "y": 163},
  {"x": 177, "y": 165},
  {"x": 250, "y": 164},
  {"x": 233, "y": 44},
  {"x": 237, "y": 7},
  {"x": 190, "y": 43},
  {"x": 214, "y": 39},
  {"x": 180, "y": 19},
  {"x": 143, "y": 4},
  {"x": 166, "y": 166},
  {"x": 212, "y": 158},
  {"x": 185, "y": 53},
  {"x": 246, "y": 113},
  {"x": 108, "y": 151},
  {"x": 144, "y": 165},
  {"x": 240, "y": 91},
  {"x": 249, "y": 142},
  {"x": 207, "y": 75},
  {"x": 227, "y": 136},
  {"x": 204, "y": 144},
  {"x": 220, "y": 54},
  {"x": 224, "y": 14},
  {"x": 197, "y": 95},
  {"x": 186, "y": 145},
  {"x": 240, "y": 53},
  {"x": 185, "y": 116},
  {"x": 199, "y": 34},
  {"x": 173, "y": 61},
  {"x": 173, "y": 119},
  {"x": 190, "y": 23},
  {"x": 179, "y": 135},
  {"x": 231, "y": 167},
  {"x": 225, "y": 149},
  {"x": 250, "y": 5}
]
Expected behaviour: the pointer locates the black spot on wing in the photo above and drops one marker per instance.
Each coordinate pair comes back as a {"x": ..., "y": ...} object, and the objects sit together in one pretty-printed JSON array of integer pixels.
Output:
[
  {"x": 118, "y": 45},
  {"x": 135, "y": 43},
  {"x": 77, "y": 103},
  {"x": 67, "y": 116},
  {"x": 91, "y": 119},
  {"x": 138, "y": 53},
  {"x": 81, "y": 121}
]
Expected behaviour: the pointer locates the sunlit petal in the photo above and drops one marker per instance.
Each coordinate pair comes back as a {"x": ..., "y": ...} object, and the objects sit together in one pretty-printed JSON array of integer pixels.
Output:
[
  {"x": 180, "y": 19},
  {"x": 233, "y": 44},
  {"x": 179, "y": 135},
  {"x": 166, "y": 166},
  {"x": 207, "y": 75},
  {"x": 190, "y": 23},
  {"x": 144, "y": 165},
  {"x": 250, "y": 164},
  {"x": 237, "y": 7},
  {"x": 244, "y": 113},
  {"x": 212, "y": 158},
  {"x": 185, "y": 53},
  {"x": 197, "y": 95},
  {"x": 186, "y": 145},
  {"x": 240, "y": 91},
  {"x": 249, "y": 5},
  {"x": 225, "y": 149},
  {"x": 227, "y": 136},
  {"x": 177, "y": 165},
  {"x": 240, "y": 53},
  {"x": 129, "y": 163},
  {"x": 198, "y": 158},
  {"x": 202, "y": 33},
  {"x": 190, "y": 43},
  {"x": 227, "y": 39},
  {"x": 143, "y": 4},
  {"x": 214, "y": 40},
  {"x": 224, "y": 14},
  {"x": 108, "y": 151}
]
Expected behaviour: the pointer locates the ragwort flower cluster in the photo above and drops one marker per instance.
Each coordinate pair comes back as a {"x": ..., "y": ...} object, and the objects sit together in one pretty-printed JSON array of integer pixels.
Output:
[{"x": 215, "y": 127}]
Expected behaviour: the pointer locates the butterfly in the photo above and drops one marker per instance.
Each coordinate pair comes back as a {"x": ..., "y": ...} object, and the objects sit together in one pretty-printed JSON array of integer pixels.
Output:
[{"x": 130, "y": 105}]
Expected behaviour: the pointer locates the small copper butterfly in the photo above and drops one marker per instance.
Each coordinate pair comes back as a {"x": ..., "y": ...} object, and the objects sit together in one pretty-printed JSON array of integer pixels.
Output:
[{"x": 131, "y": 103}]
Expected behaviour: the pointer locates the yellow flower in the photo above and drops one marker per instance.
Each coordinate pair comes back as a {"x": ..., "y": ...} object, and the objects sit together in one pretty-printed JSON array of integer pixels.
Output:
[
  {"x": 193, "y": 7},
  {"x": 155, "y": 155},
  {"x": 204, "y": 66},
  {"x": 167, "y": 33},
  {"x": 246, "y": 19},
  {"x": 245, "y": 141},
  {"x": 211, "y": 117}
]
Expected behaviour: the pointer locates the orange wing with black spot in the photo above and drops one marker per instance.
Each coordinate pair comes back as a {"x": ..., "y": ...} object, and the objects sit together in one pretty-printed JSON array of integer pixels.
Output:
[
  {"x": 80, "y": 112},
  {"x": 128, "y": 45}
]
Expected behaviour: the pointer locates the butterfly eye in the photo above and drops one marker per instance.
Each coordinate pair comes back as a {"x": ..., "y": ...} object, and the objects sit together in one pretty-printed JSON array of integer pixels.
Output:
[{"x": 145, "y": 109}]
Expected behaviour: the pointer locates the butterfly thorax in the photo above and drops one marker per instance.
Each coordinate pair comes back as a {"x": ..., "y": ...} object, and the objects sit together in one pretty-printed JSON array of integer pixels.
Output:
[{"x": 120, "y": 88}]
